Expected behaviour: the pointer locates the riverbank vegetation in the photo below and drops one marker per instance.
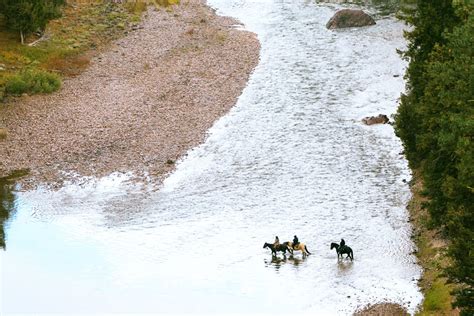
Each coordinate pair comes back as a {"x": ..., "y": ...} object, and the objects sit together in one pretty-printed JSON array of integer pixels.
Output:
[
  {"x": 7, "y": 201},
  {"x": 435, "y": 121},
  {"x": 43, "y": 41}
]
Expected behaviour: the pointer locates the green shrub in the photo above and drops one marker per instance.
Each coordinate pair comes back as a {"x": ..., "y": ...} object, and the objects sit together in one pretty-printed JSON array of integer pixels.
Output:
[
  {"x": 32, "y": 81},
  {"x": 16, "y": 85},
  {"x": 27, "y": 16}
]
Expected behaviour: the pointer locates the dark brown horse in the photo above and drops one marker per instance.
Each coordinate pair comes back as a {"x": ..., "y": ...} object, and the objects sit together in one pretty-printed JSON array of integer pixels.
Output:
[
  {"x": 281, "y": 247},
  {"x": 342, "y": 250}
]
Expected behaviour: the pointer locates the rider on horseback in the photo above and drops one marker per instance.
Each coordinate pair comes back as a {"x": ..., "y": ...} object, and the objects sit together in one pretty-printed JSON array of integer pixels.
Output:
[
  {"x": 343, "y": 243},
  {"x": 277, "y": 242},
  {"x": 295, "y": 242}
]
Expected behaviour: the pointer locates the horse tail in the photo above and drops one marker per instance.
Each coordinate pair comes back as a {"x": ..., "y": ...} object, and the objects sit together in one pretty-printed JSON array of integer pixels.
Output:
[
  {"x": 307, "y": 249},
  {"x": 352, "y": 255}
]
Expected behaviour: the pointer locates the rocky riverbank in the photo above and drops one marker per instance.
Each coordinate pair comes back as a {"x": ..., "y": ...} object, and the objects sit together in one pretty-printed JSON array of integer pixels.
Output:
[{"x": 141, "y": 104}]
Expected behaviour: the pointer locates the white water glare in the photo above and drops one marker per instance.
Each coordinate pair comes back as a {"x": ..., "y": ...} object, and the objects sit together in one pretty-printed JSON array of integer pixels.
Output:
[{"x": 291, "y": 158}]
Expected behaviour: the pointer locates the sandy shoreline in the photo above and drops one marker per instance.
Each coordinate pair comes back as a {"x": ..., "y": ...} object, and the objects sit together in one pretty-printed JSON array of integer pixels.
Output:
[{"x": 142, "y": 104}]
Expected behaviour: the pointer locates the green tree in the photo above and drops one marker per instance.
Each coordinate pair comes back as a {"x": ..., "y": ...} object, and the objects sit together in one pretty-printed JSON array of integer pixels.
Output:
[
  {"x": 447, "y": 126},
  {"x": 429, "y": 19},
  {"x": 26, "y": 16},
  {"x": 448, "y": 104},
  {"x": 435, "y": 121}
]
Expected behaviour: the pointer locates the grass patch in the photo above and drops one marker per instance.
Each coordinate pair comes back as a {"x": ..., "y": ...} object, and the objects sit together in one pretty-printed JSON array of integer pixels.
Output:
[
  {"x": 431, "y": 254},
  {"x": 166, "y": 3},
  {"x": 32, "y": 81},
  {"x": 437, "y": 299},
  {"x": 136, "y": 8},
  {"x": 66, "y": 47}
]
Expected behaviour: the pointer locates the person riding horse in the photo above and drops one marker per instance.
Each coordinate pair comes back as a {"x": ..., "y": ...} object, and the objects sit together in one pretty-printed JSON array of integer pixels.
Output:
[
  {"x": 343, "y": 249},
  {"x": 277, "y": 242},
  {"x": 276, "y": 246},
  {"x": 295, "y": 242}
]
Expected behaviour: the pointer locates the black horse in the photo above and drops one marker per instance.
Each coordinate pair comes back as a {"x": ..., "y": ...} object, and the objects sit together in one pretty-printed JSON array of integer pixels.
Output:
[
  {"x": 343, "y": 250},
  {"x": 281, "y": 247}
]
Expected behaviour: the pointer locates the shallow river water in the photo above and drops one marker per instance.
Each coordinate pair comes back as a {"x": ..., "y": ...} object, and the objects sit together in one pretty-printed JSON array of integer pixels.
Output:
[{"x": 290, "y": 158}]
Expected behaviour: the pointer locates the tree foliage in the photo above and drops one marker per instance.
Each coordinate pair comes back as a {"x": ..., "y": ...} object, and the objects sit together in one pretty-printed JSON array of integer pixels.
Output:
[
  {"x": 27, "y": 16},
  {"x": 421, "y": 41},
  {"x": 435, "y": 121}
]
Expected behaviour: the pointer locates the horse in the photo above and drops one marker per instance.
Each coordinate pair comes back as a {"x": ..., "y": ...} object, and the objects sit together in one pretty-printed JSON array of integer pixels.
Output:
[
  {"x": 281, "y": 247},
  {"x": 301, "y": 247},
  {"x": 343, "y": 250}
]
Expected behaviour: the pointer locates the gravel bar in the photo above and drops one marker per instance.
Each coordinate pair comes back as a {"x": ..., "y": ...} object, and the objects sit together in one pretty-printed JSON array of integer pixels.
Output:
[{"x": 141, "y": 105}]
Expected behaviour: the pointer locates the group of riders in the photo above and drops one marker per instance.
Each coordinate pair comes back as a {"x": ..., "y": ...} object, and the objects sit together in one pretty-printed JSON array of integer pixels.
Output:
[
  {"x": 296, "y": 243},
  {"x": 341, "y": 248},
  {"x": 277, "y": 242}
]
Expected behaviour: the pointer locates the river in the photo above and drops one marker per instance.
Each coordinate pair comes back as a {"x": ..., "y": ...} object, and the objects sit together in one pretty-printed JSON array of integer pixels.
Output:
[{"x": 292, "y": 157}]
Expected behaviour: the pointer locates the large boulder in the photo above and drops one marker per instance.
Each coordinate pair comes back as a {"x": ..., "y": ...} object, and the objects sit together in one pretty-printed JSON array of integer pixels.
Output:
[{"x": 349, "y": 18}]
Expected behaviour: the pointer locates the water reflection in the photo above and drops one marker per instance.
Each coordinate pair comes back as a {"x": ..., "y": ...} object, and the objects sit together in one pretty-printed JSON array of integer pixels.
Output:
[
  {"x": 344, "y": 267},
  {"x": 7, "y": 201},
  {"x": 277, "y": 262}
]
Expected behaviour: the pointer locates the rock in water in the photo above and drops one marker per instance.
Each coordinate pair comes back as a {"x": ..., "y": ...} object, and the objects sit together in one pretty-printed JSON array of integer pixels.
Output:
[
  {"x": 371, "y": 120},
  {"x": 349, "y": 18}
]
